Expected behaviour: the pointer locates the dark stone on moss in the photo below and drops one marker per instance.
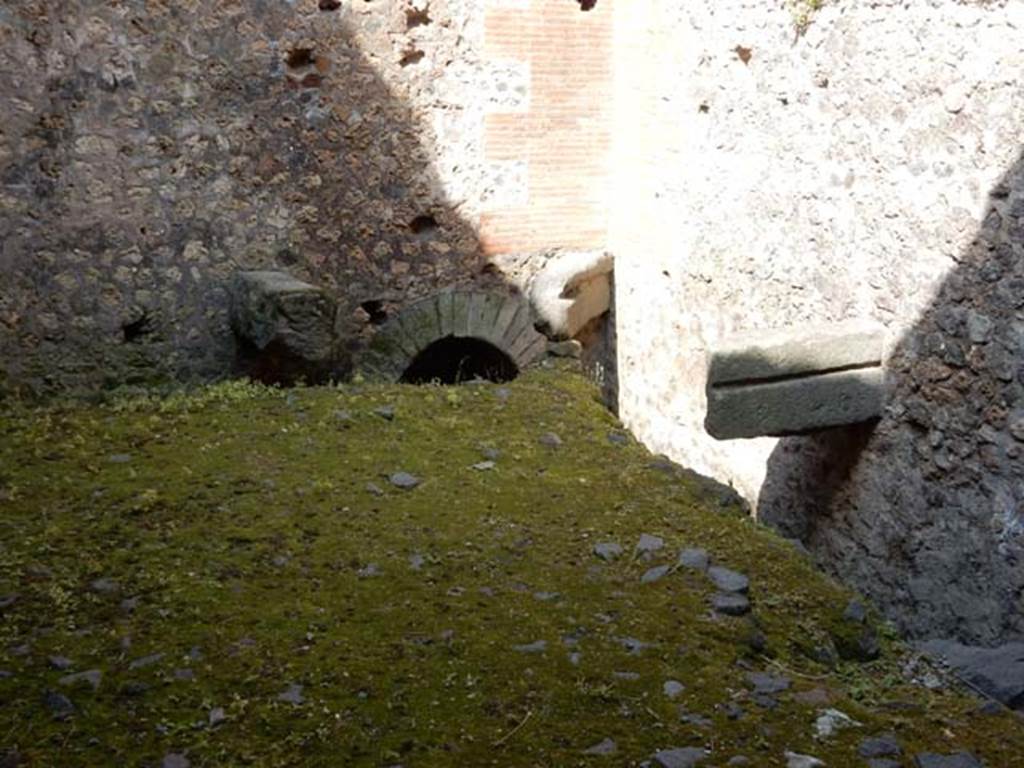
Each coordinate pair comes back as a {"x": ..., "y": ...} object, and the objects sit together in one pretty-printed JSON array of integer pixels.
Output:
[
  {"x": 538, "y": 646},
  {"x": 602, "y": 748},
  {"x": 879, "y": 746},
  {"x": 404, "y": 480},
  {"x": 958, "y": 760},
  {"x": 695, "y": 559},
  {"x": 685, "y": 757},
  {"x": 997, "y": 672},
  {"x": 58, "y": 704},
  {"x": 550, "y": 439},
  {"x": 728, "y": 580},
  {"x": 104, "y": 586},
  {"x": 146, "y": 661},
  {"x": 292, "y": 695},
  {"x": 134, "y": 688},
  {"x": 730, "y": 604},
  {"x": 91, "y": 676},
  {"x": 654, "y": 574},
  {"x": 763, "y": 682}
]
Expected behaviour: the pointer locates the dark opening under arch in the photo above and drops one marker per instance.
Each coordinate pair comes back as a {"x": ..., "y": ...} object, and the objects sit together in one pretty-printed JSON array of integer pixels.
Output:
[{"x": 452, "y": 359}]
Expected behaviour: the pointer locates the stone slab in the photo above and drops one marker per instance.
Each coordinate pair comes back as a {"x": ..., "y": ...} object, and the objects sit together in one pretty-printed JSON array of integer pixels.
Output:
[
  {"x": 998, "y": 672},
  {"x": 795, "y": 406},
  {"x": 762, "y": 356},
  {"x": 271, "y": 306}
]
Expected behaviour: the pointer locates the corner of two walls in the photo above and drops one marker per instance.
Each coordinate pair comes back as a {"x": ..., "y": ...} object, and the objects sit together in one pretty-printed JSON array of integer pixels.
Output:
[{"x": 867, "y": 170}]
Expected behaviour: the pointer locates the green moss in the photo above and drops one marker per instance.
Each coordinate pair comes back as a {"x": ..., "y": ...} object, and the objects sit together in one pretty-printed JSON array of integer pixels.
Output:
[{"x": 244, "y": 520}]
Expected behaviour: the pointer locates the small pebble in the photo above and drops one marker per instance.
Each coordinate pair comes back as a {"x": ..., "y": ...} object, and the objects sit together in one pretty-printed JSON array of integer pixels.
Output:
[
  {"x": 60, "y": 662},
  {"x": 292, "y": 695},
  {"x": 648, "y": 544},
  {"x": 216, "y": 717},
  {"x": 58, "y": 704},
  {"x": 686, "y": 757},
  {"x": 695, "y": 559},
  {"x": 602, "y": 748},
  {"x": 654, "y": 574},
  {"x": 386, "y": 412},
  {"x": 550, "y": 439},
  {"x": 673, "y": 689},
  {"x": 763, "y": 682},
  {"x": 608, "y": 550},
  {"x": 404, "y": 480},
  {"x": 730, "y": 604},
  {"x": 92, "y": 676},
  {"x": 104, "y": 586},
  {"x": 538, "y": 646},
  {"x": 879, "y": 746},
  {"x": 146, "y": 661},
  {"x": 728, "y": 580},
  {"x": 796, "y": 760},
  {"x": 175, "y": 760}
]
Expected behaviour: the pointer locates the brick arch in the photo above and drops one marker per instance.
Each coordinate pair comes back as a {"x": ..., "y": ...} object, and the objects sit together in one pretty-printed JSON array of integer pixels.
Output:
[{"x": 506, "y": 322}]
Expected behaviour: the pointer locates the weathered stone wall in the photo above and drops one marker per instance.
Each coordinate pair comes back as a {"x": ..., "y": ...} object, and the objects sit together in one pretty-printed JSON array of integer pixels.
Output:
[
  {"x": 380, "y": 149},
  {"x": 149, "y": 149},
  {"x": 868, "y": 170}
]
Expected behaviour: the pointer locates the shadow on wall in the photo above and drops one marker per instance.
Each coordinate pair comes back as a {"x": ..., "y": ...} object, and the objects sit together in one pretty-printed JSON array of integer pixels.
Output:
[
  {"x": 150, "y": 151},
  {"x": 924, "y": 511}
]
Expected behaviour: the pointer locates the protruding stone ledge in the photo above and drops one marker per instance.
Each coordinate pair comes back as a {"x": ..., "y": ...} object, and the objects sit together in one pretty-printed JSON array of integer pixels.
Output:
[{"x": 795, "y": 381}]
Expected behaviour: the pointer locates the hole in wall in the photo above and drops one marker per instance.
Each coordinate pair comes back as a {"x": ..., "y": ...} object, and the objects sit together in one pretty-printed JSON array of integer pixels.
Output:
[
  {"x": 411, "y": 57},
  {"x": 299, "y": 57},
  {"x": 423, "y": 225},
  {"x": 374, "y": 308},
  {"x": 744, "y": 54},
  {"x": 415, "y": 18},
  {"x": 586, "y": 5},
  {"x": 330, "y": 5},
  {"x": 452, "y": 360},
  {"x": 135, "y": 331}
]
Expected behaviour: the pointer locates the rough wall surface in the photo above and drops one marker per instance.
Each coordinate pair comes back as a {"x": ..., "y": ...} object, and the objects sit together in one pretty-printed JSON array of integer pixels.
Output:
[
  {"x": 149, "y": 149},
  {"x": 869, "y": 170}
]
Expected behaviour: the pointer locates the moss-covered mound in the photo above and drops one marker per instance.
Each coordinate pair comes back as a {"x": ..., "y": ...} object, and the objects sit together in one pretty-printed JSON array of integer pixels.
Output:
[{"x": 407, "y": 576}]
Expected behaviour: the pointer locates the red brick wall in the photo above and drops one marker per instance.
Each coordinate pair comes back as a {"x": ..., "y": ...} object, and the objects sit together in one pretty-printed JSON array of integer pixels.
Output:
[{"x": 564, "y": 137}]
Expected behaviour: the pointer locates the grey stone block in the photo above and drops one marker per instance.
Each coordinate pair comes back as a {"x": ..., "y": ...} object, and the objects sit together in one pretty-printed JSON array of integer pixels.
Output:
[
  {"x": 768, "y": 355},
  {"x": 794, "y": 382},
  {"x": 273, "y": 308},
  {"x": 998, "y": 672}
]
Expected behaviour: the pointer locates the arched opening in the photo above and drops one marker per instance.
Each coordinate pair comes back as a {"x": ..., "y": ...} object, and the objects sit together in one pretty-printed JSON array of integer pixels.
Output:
[{"x": 456, "y": 359}]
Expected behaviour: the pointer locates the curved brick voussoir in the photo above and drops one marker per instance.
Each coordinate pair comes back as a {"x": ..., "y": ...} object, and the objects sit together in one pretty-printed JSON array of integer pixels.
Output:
[{"x": 504, "y": 321}]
